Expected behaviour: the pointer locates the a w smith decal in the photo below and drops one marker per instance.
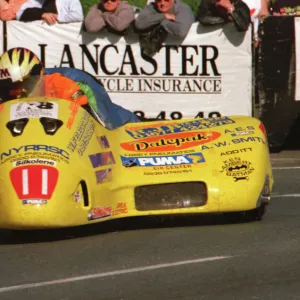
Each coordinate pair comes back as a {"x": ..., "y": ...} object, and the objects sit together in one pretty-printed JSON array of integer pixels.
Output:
[{"x": 150, "y": 161}]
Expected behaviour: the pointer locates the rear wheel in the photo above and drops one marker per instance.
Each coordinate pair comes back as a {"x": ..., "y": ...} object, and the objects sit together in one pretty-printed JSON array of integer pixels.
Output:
[
  {"x": 249, "y": 215},
  {"x": 256, "y": 214}
]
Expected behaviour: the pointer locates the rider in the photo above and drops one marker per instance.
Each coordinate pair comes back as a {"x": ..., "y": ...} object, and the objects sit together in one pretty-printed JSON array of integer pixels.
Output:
[{"x": 23, "y": 75}]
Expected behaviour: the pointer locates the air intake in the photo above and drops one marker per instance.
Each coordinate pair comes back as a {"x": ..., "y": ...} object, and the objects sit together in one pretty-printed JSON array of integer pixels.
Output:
[{"x": 170, "y": 196}]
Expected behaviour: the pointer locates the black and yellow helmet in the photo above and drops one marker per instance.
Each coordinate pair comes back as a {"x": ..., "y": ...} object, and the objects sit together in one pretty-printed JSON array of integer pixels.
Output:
[{"x": 20, "y": 71}]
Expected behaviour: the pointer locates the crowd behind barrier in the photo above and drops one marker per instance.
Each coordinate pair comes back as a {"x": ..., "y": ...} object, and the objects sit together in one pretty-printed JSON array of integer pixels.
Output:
[{"x": 194, "y": 77}]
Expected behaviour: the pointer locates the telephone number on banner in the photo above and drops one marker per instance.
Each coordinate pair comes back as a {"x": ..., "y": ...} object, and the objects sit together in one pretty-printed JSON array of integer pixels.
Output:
[{"x": 177, "y": 115}]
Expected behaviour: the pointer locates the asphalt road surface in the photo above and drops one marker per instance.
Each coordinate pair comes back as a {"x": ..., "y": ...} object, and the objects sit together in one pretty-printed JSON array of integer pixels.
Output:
[{"x": 207, "y": 258}]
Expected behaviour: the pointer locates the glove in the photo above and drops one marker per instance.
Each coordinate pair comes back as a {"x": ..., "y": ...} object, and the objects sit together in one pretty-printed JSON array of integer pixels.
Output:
[{"x": 241, "y": 15}]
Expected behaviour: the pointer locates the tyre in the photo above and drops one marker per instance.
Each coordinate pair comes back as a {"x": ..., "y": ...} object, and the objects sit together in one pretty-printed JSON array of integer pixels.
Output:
[
  {"x": 247, "y": 216},
  {"x": 256, "y": 214}
]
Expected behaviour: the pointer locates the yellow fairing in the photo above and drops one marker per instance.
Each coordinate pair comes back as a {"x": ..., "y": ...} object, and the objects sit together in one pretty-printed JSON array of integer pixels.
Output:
[{"x": 60, "y": 167}]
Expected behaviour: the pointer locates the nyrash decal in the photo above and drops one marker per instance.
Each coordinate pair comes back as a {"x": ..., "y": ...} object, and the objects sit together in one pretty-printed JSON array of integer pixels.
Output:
[
  {"x": 171, "y": 142},
  {"x": 150, "y": 161},
  {"x": 36, "y": 147}
]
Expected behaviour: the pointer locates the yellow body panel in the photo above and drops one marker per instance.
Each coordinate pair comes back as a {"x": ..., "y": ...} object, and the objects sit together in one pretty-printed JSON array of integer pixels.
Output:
[{"x": 230, "y": 155}]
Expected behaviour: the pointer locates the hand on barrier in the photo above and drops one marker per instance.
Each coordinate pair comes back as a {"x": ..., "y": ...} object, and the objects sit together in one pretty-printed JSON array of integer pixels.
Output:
[{"x": 49, "y": 18}]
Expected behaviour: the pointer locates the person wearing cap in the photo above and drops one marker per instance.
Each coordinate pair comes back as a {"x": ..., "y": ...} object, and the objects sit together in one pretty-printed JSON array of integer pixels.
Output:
[
  {"x": 162, "y": 18},
  {"x": 115, "y": 15}
]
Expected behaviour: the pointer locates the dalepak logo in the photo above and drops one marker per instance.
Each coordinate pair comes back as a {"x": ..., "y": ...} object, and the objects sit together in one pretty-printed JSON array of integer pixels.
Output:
[
  {"x": 151, "y": 161},
  {"x": 171, "y": 142}
]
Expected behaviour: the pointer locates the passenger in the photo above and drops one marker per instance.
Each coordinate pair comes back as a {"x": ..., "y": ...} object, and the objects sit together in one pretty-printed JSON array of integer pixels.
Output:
[
  {"x": 114, "y": 15},
  {"x": 160, "y": 18},
  {"x": 264, "y": 12},
  {"x": 9, "y": 9},
  {"x": 258, "y": 11},
  {"x": 51, "y": 11},
  {"x": 26, "y": 77}
]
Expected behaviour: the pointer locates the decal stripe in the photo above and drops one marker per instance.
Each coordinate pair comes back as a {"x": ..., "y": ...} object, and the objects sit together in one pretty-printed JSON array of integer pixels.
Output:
[
  {"x": 25, "y": 187},
  {"x": 44, "y": 182}
]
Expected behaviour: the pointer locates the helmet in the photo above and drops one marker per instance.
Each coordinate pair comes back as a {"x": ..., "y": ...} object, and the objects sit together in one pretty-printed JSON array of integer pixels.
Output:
[{"x": 20, "y": 72}]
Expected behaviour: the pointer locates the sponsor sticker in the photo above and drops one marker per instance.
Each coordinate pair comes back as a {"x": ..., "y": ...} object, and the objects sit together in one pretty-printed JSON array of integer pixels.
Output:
[
  {"x": 167, "y": 172},
  {"x": 43, "y": 152},
  {"x": 103, "y": 176},
  {"x": 35, "y": 201},
  {"x": 150, "y": 161},
  {"x": 120, "y": 209},
  {"x": 175, "y": 141},
  {"x": 33, "y": 110},
  {"x": 237, "y": 168},
  {"x": 163, "y": 128},
  {"x": 236, "y": 151},
  {"x": 73, "y": 112},
  {"x": 102, "y": 159},
  {"x": 242, "y": 133},
  {"x": 103, "y": 142},
  {"x": 34, "y": 161},
  {"x": 77, "y": 196},
  {"x": 99, "y": 213},
  {"x": 82, "y": 135}
]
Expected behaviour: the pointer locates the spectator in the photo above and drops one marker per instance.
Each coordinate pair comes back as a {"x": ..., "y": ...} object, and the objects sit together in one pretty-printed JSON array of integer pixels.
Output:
[
  {"x": 9, "y": 9},
  {"x": 212, "y": 12},
  {"x": 264, "y": 12},
  {"x": 160, "y": 18},
  {"x": 285, "y": 7},
  {"x": 112, "y": 14},
  {"x": 258, "y": 11},
  {"x": 51, "y": 11}
]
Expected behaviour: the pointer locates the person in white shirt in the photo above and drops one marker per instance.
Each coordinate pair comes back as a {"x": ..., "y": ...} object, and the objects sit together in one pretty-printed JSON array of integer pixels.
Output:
[{"x": 51, "y": 11}]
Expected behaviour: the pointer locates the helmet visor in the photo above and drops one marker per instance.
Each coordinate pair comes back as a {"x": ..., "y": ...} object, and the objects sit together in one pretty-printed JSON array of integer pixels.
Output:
[{"x": 24, "y": 88}]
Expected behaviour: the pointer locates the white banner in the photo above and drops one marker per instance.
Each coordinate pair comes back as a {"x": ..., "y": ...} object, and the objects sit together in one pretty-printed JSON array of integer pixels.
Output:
[
  {"x": 1, "y": 37},
  {"x": 208, "y": 74},
  {"x": 297, "y": 57}
]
